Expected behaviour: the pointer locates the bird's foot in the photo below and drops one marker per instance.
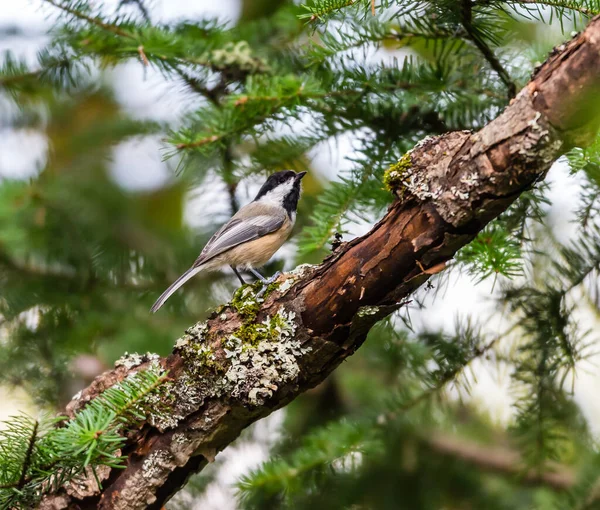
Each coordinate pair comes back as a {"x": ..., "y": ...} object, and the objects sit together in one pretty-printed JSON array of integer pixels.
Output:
[{"x": 266, "y": 282}]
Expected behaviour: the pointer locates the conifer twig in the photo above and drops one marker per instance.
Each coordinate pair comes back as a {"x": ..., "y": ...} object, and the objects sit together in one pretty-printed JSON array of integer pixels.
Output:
[
  {"x": 562, "y": 5},
  {"x": 12, "y": 79},
  {"x": 194, "y": 61},
  {"x": 196, "y": 85},
  {"x": 140, "y": 5},
  {"x": 90, "y": 19},
  {"x": 452, "y": 375},
  {"x": 485, "y": 50},
  {"x": 28, "y": 453}
]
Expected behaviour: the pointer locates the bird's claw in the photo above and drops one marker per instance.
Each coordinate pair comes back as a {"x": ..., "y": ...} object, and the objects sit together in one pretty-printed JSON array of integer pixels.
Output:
[{"x": 266, "y": 282}]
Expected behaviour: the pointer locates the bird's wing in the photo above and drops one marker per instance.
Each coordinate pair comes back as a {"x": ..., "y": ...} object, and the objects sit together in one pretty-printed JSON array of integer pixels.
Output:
[{"x": 257, "y": 221}]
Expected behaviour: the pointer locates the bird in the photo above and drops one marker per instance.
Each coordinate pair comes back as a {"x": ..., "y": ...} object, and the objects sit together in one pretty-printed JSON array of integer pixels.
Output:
[{"x": 251, "y": 237}]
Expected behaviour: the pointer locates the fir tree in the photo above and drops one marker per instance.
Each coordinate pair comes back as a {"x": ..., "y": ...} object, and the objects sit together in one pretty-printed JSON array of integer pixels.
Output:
[{"x": 82, "y": 259}]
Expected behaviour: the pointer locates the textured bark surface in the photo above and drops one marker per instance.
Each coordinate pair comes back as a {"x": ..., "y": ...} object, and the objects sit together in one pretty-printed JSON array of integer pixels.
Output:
[{"x": 448, "y": 189}]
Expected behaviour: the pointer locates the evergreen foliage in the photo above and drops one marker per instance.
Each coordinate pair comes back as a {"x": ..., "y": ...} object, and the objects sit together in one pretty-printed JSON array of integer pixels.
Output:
[
  {"x": 82, "y": 258},
  {"x": 41, "y": 455}
]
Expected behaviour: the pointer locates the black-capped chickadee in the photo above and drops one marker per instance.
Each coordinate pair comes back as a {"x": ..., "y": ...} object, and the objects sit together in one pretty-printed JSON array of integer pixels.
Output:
[{"x": 251, "y": 237}]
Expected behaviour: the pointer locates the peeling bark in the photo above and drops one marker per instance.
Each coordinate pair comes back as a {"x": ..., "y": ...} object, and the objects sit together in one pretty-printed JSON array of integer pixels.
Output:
[{"x": 448, "y": 188}]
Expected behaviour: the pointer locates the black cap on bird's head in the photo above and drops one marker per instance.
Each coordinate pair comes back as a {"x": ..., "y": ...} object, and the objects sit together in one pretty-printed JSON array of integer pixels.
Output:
[{"x": 282, "y": 187}]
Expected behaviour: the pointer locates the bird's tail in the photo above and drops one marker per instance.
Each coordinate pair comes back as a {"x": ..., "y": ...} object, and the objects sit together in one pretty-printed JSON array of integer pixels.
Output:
[{"x": 174, "y": 286}]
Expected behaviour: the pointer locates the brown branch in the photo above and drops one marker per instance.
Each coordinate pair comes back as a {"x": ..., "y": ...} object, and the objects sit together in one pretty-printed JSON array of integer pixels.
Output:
[
  {"x": 251, "y": 358},
  {"x": 503, "y": 461},
  {"x": 69, "y": 276}
]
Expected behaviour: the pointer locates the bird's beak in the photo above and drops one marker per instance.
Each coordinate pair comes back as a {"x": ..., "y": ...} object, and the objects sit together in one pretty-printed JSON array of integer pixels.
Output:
[{"x": 299, "y": 175}]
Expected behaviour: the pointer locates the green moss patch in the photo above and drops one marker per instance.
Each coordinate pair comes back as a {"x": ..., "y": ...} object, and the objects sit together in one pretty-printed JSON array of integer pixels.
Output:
[{"x": 393, "y": 177}]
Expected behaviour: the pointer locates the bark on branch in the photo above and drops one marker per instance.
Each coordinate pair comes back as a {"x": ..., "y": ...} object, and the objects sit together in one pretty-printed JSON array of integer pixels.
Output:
[{"x": 252, "y": 357}]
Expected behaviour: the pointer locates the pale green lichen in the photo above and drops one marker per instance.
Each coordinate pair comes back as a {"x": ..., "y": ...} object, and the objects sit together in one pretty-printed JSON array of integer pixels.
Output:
[
  {"x": 237, "y": 54},
  {"x": 365, "y": 311},
  {"x": 179, "y": 438},
  {"x": 293, "y": 276},
  {"x": 134, "y": 359},
  {"x": 256, "y": 359},
  {"x": 286, "y": 285},
  {"x": 197, "y": 331},
  {"x": 156, "y": 463},
  {"x": 258, "y": 372},
  {"x": 185, "y": 394},
  {"x": 203, "y": 357},
  {"x": 262, "y": 355},
  {"x": 301, "y": 270},
  {"x": 176, "y": 400}
]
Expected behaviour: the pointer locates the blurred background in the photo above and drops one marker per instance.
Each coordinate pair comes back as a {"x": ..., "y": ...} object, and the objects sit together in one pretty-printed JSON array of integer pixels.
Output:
[{"x": 97, "y": 218}]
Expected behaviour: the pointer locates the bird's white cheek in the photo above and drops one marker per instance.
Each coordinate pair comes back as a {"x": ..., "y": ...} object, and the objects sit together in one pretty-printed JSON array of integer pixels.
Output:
[{"x": 276, "y": 196}]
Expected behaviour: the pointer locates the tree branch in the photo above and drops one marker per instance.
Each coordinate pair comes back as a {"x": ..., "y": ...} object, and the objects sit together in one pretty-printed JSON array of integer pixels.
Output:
[
  {"x": 252, "y": 357},
  {"x": 500, "y": 460}
]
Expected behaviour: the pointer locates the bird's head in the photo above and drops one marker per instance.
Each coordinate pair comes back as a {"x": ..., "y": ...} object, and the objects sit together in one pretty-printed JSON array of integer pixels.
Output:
[{"x": 283, "y": 189}]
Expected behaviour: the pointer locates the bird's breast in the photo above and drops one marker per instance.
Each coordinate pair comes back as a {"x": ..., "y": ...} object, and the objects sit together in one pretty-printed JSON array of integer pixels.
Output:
[{"x": 258, "y": 252}]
